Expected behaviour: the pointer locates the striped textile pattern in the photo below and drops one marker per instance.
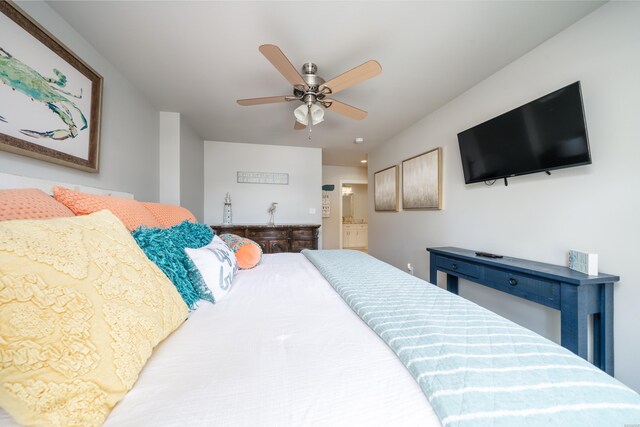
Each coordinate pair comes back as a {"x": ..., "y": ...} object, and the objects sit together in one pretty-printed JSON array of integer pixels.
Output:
[{"x": 475, "y": 367}]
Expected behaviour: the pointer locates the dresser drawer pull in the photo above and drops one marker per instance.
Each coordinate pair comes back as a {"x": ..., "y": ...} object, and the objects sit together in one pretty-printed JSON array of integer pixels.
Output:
[
  {"x": 454, "y": 267},
  {"x": 513, "y": 281}
]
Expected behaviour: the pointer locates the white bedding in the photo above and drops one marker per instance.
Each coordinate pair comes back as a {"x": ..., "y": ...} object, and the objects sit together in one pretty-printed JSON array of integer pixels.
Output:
[{"x": 282, "y": 349}]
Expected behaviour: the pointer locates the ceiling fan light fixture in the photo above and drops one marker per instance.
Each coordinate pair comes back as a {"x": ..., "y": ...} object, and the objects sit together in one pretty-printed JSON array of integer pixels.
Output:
[
  {"x": 317, "y": 114},
  {"x": 304, "y": 112}
]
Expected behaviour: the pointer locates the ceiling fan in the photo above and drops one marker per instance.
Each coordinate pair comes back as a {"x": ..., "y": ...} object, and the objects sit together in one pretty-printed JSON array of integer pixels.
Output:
[{"x": 312, "y": 90}]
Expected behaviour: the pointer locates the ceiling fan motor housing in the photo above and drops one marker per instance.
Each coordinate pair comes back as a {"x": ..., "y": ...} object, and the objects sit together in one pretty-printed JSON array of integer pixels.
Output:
[
  {"x": 310, "y": 77},
  {"x": 309, "y": 68}
]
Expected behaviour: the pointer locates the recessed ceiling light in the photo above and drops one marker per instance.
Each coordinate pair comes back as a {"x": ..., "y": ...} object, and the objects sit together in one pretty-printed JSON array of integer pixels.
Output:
[
  {"x": 363, "y": 161},
  {"x": 358, "y": 140}
]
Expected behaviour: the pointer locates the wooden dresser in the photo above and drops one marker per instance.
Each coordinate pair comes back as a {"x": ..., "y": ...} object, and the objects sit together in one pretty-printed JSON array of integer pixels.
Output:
[{"x": 275, "y": 238}]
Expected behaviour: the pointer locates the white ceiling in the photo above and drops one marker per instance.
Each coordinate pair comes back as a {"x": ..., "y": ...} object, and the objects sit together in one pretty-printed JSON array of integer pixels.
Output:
[{"x": 197, "y": 58}]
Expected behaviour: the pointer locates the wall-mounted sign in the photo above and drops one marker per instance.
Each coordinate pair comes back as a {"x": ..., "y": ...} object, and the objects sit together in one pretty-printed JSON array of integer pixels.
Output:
[
  {"x": 263, "y": 178},
  {"x": 326, "y": 206}
]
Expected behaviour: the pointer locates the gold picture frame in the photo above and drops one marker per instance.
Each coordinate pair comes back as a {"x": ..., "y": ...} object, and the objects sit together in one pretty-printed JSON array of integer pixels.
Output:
[
  {"x": 50, "y": 100},
  {"x": 385, "y": 190},
  {"x": 422, "y": 181}
]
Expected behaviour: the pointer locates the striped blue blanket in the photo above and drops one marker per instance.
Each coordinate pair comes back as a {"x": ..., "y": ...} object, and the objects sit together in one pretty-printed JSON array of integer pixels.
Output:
[{"x": 475, "y": 367}]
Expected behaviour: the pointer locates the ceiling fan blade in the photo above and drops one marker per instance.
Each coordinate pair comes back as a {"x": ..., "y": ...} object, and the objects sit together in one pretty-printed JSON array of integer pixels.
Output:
[
  {"x": 282, "y": 64},
  {"x": 346, "y": 109},
  {"x": 352, "y": 77},
  {"x": 299, "y": 126},
  {"x": 259, "y": 101}
]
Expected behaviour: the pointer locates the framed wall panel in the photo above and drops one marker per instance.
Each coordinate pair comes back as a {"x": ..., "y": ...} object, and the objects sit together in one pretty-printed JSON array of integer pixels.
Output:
[
  {"x": 422, "y": 181},
  {"x": 385, "y": 189}
]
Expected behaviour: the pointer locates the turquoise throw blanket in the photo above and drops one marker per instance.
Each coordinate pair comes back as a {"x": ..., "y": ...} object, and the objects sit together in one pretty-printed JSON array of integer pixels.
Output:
[
  {"x": 475, "y": 367},
  {"x": 165, "y": 247}
]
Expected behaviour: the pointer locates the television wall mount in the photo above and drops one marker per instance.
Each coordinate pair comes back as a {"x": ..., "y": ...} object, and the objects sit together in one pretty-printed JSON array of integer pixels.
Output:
[{"x": 506, "y": 183}]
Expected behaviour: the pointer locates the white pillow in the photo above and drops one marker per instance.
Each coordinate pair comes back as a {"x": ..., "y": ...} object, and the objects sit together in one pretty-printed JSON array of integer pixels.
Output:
[{"x": 217, "y": 265}]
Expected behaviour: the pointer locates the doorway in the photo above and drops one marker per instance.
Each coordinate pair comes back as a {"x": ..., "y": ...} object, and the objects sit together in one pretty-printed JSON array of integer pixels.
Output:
[{"x": 354, "y": 227}]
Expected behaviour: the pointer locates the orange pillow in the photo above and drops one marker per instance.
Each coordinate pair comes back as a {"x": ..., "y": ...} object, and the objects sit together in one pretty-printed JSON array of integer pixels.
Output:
[
  {"x": 248, "y": 253},
  {"x": 169, "y": 215},
  {"x": 30, "y": 203},
  {"x": 132, "y": 213}
]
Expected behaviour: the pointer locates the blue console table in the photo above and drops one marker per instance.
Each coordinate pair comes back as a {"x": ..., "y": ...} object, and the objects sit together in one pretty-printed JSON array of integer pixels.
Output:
[{"x": 575, "y": 294}]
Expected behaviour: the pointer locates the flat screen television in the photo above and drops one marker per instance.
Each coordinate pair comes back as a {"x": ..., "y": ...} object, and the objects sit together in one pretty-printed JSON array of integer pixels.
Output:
[{"x": 545, "y": 134}]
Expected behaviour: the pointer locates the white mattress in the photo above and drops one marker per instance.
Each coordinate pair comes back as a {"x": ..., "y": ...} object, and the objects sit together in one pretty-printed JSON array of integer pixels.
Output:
[{"x": 282, "y": 349}]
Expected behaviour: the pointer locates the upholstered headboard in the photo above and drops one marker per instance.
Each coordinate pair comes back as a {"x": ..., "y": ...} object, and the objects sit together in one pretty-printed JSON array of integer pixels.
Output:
[{"x": 8, "y": 181}]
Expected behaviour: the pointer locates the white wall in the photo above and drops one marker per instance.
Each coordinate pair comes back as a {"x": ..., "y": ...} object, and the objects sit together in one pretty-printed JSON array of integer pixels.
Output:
[
  {"x": 360, "y": 201},
  {"x": 181, "y": 164},
  {"x": 129, "y": 136},
  {"x": 169, "y": 158},
  {"x": 537, "y": 216},
  {"x": 332, "y": 175},
  {"x": 250, "y": 202},
  {"x": 191, "y": 170}
]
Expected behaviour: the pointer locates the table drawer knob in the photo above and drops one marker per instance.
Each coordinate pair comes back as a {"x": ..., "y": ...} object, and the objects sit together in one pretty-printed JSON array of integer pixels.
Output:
[
  {"x": 454, "y": 267},
  {"x": 513, "y": 281}
]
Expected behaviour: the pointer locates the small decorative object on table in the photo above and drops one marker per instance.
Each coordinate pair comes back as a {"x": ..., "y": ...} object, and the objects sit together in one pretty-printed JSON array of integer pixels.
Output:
[
  {"x": 272, "y": 211},
  {"x": 584, "y": 262},
  {"x": 226, "y": 216}
]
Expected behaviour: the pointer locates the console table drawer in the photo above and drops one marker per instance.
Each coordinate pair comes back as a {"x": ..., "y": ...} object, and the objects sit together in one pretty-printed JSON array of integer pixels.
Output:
[
  {"x": 546, "y": 292},
  {"x": 458, "y": 266}
]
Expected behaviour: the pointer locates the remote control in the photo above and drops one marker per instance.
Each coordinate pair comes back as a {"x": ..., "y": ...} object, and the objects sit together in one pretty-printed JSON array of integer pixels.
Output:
[{"x": 488, "y": 255}]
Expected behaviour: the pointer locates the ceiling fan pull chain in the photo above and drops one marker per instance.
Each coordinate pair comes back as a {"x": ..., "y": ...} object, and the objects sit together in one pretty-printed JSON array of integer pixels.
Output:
[{"x": 309, "y": 121}]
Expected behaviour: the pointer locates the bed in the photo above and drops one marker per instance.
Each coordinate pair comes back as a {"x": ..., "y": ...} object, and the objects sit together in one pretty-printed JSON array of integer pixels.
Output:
[
  {"x": 282, "y": 349},
  {"x": 340, "y": 338}
]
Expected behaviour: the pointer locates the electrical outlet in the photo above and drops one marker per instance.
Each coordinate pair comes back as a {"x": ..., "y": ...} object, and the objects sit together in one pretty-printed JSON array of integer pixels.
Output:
[
  {"x": 312, "y": 211},
  {"x": 410, "y": 268}
]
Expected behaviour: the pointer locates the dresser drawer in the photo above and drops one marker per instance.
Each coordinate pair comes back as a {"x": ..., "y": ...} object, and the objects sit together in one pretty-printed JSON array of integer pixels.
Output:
[
  {"x": 298, "y": 245},
  {"x": 228, "y": 230},
  {"x": 303, "y": 233},
  {"x": 456, "y": 266},
  {"x": 546, "y": 292},
  {"x": 267, "y": 234},
  {"x": 278, "y": 246}
]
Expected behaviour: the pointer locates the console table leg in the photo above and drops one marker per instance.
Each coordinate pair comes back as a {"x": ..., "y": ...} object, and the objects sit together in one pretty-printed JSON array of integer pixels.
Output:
[
  {"x": 603, "y": 344},
  {"x": 433, "y": 270},
  {"x": 597, "y": 340},
  {"x": 573, "y": 320},
  {"x": 452, "y": 284}
]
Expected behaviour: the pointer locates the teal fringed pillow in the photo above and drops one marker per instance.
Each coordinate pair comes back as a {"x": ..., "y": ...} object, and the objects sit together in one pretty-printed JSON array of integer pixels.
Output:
[{"x": 165, "y": 247}]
